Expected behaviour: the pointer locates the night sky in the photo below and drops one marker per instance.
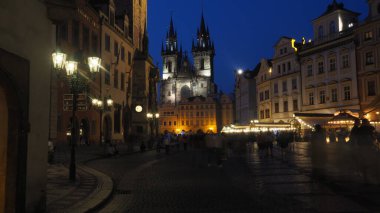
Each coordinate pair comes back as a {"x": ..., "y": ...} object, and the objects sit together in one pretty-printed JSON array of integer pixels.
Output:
[{"x": 244, "y": 31}]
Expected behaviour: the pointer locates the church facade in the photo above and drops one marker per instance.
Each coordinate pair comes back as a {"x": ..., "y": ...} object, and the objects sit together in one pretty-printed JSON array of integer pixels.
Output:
[
  {"x": 186, "y": 83},
  {"x": 181, "y": 79}
]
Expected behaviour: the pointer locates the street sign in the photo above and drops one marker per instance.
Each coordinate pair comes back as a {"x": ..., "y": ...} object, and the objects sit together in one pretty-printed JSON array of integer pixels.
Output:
[{"x": 82, "y": 102}]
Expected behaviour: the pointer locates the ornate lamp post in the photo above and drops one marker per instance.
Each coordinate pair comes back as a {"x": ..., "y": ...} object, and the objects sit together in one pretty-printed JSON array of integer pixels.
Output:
[
  {"x": 98, "y": 103},
  {"x": 152, "y": 119},
  {"x": 60, "y": 63}
]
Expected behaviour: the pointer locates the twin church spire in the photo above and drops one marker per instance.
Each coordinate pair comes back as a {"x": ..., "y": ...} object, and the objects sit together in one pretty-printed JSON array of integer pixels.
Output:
[{"x": 203, "y": 43}]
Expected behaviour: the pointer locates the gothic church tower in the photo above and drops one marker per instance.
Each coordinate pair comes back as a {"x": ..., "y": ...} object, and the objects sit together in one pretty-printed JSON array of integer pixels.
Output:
[{"x": 169, "y": 53}]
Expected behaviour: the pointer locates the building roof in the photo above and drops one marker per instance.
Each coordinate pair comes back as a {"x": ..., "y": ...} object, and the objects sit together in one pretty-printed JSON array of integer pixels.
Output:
[{"x": 334, "y": 6}]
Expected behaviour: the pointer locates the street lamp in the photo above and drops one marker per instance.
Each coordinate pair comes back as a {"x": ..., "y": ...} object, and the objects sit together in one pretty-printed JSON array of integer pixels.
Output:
[
  {"x": 99, "y": 104},
  {"x": 71, "y": 67},
  {"x": 153, "y": 118}
]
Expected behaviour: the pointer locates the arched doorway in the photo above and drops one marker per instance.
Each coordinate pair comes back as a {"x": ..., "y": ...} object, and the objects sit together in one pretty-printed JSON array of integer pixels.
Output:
[
  {"x": 107, "y": 129},
  {"x": 3, "y": 146},
  {"x": 84, "y": 133}
]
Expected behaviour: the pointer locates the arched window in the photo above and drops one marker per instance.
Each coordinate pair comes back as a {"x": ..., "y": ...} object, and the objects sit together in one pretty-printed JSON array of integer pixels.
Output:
[
  {"x": 169, "y": 66},
  {"x": 332, "y": 27},
  {"x": 320, "y": 32},
  {"x": 202, "y": 64}
]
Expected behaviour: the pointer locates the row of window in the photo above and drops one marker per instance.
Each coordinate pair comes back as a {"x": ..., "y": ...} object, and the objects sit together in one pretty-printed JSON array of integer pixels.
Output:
[
  {"x": 281, "y": 69},
  {"x": 118, "y": 84},
  {"x": 334, "y": 95},
  {"x": 206, "y": 106},
  {"x": 118, "y": 52},
  {"x": 89, "y": 38},
  {"x": 189, "y": 123},
  {"x": 264, "y": 95},
  {"x": 265, "y": 114},
  {"x": 286, "y": 106},
  {"x": 285, "y": 86},
  {"x": 332, "y": 66},
  {"x": 197, "y": 114}
]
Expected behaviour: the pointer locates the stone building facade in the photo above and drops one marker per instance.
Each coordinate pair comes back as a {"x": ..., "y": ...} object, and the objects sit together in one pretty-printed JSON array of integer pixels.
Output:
[
  {"x": 26, "y": 43},
  {"x": 328, "y": 63},
  {"x": 367, "y": 36},
  {"x": 245, "y": 95},
  {"x": 115, "y": 31}
]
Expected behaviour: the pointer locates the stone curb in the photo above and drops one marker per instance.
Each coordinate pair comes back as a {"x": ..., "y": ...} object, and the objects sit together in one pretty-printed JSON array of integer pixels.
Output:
[{"x": 98, "y": 197}]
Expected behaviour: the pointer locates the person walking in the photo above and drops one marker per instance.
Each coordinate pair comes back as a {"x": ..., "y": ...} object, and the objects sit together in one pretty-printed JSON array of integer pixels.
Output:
[
  {"x": 167, "y": 141},
  {"x": 366, "y": 133},
  {"x": 318, "y": 152}
]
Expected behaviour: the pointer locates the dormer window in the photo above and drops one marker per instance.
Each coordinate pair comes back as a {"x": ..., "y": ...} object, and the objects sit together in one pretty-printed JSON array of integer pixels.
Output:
[
  {"x": 368, "y": 36},
  {"x": 112, "y": 17},
  {"x": 332, "y": 27},
  {"x": 320, "y": 32}
]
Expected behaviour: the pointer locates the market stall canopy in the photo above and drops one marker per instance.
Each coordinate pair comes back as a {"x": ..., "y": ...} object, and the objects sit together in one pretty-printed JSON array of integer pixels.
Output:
[
  {"x": 343, "y": 118},
  {"x": 311, "y": 119}
]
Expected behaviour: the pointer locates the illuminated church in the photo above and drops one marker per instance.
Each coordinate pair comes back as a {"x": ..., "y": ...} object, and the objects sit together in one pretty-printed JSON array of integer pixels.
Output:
[
  {"x": 189, "y": 97},
  {"x": 181, "y": 79}
]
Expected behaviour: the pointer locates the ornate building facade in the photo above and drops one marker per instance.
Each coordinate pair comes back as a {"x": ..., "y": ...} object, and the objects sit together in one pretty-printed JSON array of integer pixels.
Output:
[{"x": 189, "y": 98}]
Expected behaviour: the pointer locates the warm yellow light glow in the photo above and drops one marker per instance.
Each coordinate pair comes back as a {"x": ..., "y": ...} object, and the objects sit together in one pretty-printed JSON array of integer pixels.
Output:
[
  {"x": 149, "y": 115},
  {"x": 327, "y": 140},
  {"x": 347, "y": 139},
  {"x": 377, "y": 113},
  {"x": 157, "y": 115},
  {"x": 71, "y": 67},
  {"x": 270, "y": 70},
  {"x": 100, "y": 103},
  {"x": 109, "y": 102},
  {"x": 303, "y": 40},
  {"x": 94, "y": 64},
  {"x": 95, "y": 102},
  {"x": 294, "y": 45},
  {"x": 59, "y": 60}
]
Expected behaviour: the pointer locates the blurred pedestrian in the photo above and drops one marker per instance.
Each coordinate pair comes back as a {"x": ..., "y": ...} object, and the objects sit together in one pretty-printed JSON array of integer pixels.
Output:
[
  {"x": 167, "y": 141},
  {"x": 318, "y": 152},
  {"x": 366, "y": 133}
]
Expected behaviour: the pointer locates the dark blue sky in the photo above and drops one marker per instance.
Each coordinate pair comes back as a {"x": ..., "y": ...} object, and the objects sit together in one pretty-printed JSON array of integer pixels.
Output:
[{"x": 244, "y": 31}]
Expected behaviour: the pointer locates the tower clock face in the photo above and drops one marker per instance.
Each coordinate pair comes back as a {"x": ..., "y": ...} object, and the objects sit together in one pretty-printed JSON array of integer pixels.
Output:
[{"x": 138, "y": 108}]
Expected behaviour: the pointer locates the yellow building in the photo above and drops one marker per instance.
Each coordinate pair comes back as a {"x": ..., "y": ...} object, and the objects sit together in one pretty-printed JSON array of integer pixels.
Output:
[{"x": 192, "y": 114}]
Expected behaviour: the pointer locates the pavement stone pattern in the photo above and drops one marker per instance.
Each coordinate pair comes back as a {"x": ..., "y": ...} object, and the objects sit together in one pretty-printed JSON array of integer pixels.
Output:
[
  {"x": 63, "y": 194},
  {"x": 247, "y": 182}
]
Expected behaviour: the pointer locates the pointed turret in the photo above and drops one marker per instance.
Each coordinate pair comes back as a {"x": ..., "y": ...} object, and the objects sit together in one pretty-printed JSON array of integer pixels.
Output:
[
  {"x": 171, "y": 40},
  {"x": 203, "y": 37},
  {"x": 169, "y": 51},
  {"x": 203, "y": 52}
]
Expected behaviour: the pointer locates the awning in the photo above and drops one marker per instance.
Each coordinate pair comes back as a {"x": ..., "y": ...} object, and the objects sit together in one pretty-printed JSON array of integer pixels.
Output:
[{"x": 312, "y": 119}]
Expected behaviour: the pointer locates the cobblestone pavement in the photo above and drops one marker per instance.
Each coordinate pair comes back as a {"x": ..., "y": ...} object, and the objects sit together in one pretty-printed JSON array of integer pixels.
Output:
[{"x": 183, "y": 182}]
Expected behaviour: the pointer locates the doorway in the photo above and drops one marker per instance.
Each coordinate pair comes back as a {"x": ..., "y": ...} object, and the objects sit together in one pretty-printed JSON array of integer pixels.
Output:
[{"x": 107, "y": 129}]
